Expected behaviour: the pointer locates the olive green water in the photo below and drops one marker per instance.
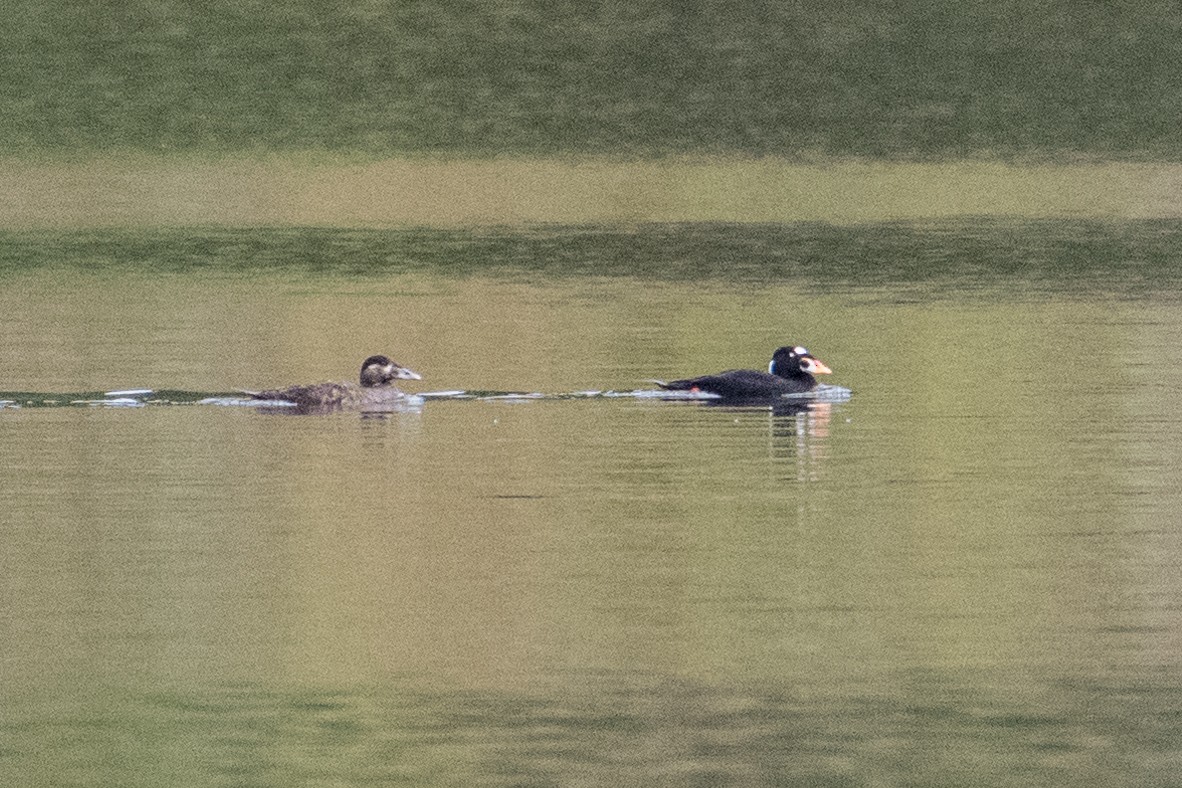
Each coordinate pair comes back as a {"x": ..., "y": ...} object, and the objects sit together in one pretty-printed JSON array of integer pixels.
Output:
[{"x": 968, "y": 573}]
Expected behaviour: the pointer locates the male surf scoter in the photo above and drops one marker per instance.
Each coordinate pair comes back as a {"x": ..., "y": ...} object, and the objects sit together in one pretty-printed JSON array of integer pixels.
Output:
[
  {"x": 791, "y": 372},
  {"x": 377, "y": 389}
]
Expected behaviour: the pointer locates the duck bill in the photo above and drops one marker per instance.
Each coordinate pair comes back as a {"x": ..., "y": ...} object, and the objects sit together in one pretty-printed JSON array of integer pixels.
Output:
[
  {"x": 819, "y": 368},
  {"x": 402, "y": 373}
]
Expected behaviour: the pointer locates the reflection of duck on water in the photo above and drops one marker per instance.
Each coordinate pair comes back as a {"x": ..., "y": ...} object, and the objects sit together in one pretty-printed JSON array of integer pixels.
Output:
[
  {"x": 378, "y": 374},
  {"x": 799, "y": 439},
  {"x": 790, "y": 372}
]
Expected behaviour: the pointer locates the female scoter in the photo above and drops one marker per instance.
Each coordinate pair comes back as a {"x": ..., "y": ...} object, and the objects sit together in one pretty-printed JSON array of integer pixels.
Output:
[
  {"x": 791, "y": 372},
  {"x": 378, "y": 374}
]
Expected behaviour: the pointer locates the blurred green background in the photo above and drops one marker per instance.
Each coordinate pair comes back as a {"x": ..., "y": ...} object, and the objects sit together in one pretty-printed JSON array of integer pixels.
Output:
[{"x": 911, "y": 79}]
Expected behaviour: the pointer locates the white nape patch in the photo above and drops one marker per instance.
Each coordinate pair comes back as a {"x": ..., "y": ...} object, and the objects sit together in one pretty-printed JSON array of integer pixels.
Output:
[
  {"x": 798, "y": 350},
  {"x": 771, "y": 367}
]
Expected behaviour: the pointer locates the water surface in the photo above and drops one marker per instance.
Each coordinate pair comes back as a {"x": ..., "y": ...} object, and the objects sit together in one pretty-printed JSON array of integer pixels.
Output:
[
  {"x": 300, "y": 189},
  {"x": 966, "y": 573}
]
